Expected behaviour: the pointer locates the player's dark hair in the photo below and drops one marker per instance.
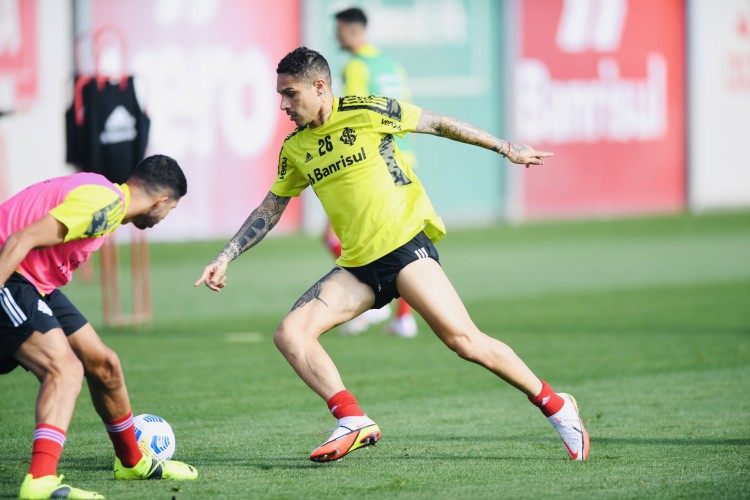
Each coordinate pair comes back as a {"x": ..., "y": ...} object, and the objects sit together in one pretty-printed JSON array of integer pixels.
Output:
[
  {"x": 352, "y": 16},
  {"x": 305, "y": 65},
  {"x": 159, "y": 173}
]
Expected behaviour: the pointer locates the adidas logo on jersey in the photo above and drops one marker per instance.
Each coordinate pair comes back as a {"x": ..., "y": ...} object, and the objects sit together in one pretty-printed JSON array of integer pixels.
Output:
[{"x": 309, "y": 157}]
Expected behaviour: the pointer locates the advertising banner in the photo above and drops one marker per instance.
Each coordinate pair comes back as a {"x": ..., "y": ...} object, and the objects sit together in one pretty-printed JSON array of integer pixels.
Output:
[
  {"x": 207, "y": 78},
  {"x": 719, "y": 55},
  {"x": 601, "y": 83}
]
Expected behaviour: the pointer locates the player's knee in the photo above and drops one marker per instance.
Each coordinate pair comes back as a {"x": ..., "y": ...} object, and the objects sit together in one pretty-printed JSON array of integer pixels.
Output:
[
  {"x": 290, "y": 338},
  {"x": 65, "y": 369},
  {"x": 282, "y": 338},
  {"x": 105, "y": 368},
  {"x": 465, "y": 345}
]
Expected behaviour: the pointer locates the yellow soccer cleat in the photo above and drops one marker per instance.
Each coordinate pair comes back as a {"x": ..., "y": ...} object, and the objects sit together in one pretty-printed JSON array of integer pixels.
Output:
[
  {"x": 151, "y": 468},
  {"x": 351, "y": 434},
  {"x": 52, "y": 487}
]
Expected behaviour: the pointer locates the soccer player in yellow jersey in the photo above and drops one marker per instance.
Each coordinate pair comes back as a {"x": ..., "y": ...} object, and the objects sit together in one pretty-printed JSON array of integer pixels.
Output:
[
  {"x": 46, "y": 232},
  {"x": 372, "y": 72},
  {"x": 344, "y": 150}
]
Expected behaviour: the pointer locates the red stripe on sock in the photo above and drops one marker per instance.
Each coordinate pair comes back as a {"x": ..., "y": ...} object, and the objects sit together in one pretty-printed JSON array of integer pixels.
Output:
[
  {"x": 45, "y": 453},
  {"x": 124, "y": 442},
  {"x": 121, "y": 419},
  {"x": 547, "y": 400},
  {"x": 343, "y": 404}
]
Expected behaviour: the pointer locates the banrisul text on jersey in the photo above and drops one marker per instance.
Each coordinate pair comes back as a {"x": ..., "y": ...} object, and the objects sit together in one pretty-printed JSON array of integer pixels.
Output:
[{"x": 319, "y": 174}]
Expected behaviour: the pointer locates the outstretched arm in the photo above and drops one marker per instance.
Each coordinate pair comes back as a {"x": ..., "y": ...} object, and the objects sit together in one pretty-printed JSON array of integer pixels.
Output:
[
  {"x": 254, "y": 229},
  {"x": 446, "y": 126}
]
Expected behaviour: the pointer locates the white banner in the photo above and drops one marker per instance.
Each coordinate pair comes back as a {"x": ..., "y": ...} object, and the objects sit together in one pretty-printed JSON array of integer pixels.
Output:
[{"x": 719, "y": 102}]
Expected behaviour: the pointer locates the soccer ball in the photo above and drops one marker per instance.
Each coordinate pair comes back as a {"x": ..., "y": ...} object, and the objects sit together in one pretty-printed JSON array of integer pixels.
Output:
[{"x": 156, "y": 434}]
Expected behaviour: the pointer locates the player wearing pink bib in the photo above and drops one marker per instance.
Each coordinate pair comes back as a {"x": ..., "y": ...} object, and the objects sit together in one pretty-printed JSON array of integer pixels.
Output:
[
  {"x": 90, "y": 207},
  {"x": 47, "y": 231}
]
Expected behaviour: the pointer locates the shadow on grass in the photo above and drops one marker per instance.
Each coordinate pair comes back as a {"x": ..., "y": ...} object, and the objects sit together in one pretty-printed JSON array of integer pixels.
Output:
[
  {"x": 669, "y": 441},
  {"x": 594, "y": 440}
]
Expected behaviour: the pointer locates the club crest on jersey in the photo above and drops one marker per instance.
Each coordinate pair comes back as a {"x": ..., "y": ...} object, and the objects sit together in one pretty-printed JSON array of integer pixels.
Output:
[{"x": 348, "y": 136}]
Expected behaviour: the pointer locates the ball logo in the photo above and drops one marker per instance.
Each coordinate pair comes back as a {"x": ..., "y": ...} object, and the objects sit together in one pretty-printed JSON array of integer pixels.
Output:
[{"x": 160, "y": 443}]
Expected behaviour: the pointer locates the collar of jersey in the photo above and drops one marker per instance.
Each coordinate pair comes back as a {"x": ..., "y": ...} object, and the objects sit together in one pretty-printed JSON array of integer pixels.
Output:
[{"x": 126, "y": 197}]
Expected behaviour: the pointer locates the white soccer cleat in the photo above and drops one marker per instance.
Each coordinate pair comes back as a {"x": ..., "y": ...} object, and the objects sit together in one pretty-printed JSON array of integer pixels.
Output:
[
  {"x": 405, "y": 326},
  {"x": 569, "y": 425}
]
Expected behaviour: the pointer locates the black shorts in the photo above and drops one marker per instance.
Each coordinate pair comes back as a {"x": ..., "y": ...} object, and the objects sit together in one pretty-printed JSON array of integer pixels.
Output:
[
  {"x": 380, "y": 275},
  {"x": 23, "y": 311}
]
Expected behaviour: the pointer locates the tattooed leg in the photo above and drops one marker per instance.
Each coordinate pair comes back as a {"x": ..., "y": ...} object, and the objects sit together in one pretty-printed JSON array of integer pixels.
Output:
[
  {"x": 314, "y": 291},
  {"x": 336, "y": 297}
]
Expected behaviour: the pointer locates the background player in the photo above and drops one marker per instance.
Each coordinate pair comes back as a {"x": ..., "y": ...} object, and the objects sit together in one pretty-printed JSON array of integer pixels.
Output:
[
  {"x": 372, "y": 72},
  {"x": 47, "y": 231},
  {"x": 387, "y": 225}
]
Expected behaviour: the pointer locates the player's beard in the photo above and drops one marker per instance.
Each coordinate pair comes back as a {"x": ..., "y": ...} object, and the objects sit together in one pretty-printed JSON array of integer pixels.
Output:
[{"x": 145, "y": 221}]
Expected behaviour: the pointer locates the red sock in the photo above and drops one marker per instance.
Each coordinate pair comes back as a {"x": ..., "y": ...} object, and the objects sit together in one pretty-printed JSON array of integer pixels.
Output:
[
  {"x": 403, "y": 308},
  {"x": 343, "y": 404},
  {"x": 122, "y": 434},
  {"x": 48, "y": 445},
  {"x": 547, "y": 401},
  {"x": 334, "y": 245}
]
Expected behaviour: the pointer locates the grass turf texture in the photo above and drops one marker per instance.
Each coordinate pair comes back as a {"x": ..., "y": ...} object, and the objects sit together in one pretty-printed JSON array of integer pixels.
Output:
[{"x": 645, "y": 321}]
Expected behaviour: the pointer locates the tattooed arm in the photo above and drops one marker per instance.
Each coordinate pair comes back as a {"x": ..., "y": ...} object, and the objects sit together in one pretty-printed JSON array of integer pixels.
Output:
[
  {"x": 254, "y": 229},
  {"x": 446, "y": 126}
]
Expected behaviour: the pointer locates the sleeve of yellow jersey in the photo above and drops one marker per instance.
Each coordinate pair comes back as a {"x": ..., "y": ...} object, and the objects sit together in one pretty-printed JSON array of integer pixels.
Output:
[
  {"x": 89, "y": 211},
  {"x": 289, "y": 181},
  {"x": 356, "y": 78},
  {"x": 409, "y": 118}
]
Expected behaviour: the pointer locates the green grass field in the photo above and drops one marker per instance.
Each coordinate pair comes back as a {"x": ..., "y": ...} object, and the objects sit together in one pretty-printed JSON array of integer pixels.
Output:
[{"x": 646, "y": 321}]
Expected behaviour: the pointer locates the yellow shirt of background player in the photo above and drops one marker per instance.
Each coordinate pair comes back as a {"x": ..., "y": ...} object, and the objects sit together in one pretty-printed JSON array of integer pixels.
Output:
[{"x": 372, "y": 196}]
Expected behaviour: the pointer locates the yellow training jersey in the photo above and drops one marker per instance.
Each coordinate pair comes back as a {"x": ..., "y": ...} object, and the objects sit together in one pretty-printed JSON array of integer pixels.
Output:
[
  {"x": 92, "y": 211},
  {"x": 372, "y": 196}
]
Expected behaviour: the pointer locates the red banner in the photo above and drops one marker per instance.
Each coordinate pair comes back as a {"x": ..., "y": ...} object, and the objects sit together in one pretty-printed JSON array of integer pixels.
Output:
[
  {"x": 18, "y": 54},
  {"x": 601, "y": 84},
  {"x": 208, "y": 74}
]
